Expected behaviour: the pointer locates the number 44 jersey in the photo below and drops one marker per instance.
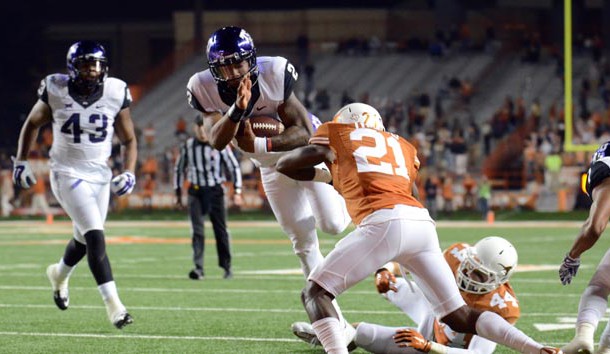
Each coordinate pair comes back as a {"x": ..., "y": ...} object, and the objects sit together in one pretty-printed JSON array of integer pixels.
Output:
[
  {"x": 373, "y": 169},
  {"x": 83, "y": 126}
]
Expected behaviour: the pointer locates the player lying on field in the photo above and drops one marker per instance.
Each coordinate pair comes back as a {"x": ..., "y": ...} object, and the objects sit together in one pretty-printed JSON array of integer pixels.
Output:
[{"x": 482, "y": 272}]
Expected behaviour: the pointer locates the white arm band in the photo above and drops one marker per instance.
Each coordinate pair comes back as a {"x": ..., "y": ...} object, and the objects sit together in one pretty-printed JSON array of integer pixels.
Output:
[
  {"x": 322, "y": 175},
  {"x": 437, "y": 348},
  {"x": 260, "y": 145}
]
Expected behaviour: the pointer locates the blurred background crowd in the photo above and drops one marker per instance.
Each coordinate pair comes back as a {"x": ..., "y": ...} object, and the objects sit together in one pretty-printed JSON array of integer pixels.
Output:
[{"x": 476, "y": 86}]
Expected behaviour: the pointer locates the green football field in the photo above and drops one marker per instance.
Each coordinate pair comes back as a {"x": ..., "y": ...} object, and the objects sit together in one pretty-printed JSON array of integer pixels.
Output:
[{"x": 250, "y": 313}]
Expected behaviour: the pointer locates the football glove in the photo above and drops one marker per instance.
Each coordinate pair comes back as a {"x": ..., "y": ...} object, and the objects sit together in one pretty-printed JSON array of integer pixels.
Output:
[
  {"x": 568, "y": 269},
  {"x": 385, "y": 281},
  {"x": 123, "y": 183},
  {"x": 408, "y": 337},
  {"x": 23, "y": 176}
]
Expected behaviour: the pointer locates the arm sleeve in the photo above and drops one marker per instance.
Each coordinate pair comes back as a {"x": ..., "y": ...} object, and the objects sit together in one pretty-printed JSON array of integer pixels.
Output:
[
  {"x": 321, "y": 136},
  {"x": 233, "y": 166},
  {"x": 179, "y": 169}
]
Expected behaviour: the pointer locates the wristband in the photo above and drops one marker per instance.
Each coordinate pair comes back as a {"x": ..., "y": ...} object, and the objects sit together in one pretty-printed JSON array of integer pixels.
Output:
[
  {"x": 235, "y": 113},
  {"x": 437, "y": 348},
  {"x": 322, "y": 175},
  {"x": 268, "y": 144},
  {"x": 260, "y": 145}
]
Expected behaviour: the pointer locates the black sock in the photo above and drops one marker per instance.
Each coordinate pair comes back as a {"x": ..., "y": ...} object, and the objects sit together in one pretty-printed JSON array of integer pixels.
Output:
[
  {"x": 75, "y": 251},
  {"x": 96, "y": 255}
]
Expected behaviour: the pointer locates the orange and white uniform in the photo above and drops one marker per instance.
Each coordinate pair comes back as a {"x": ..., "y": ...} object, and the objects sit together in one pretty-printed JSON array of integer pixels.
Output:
[
  {"x": 501, "y": 300},
  {"x": 374, "y": 172},
  {"x": 409, "y": 298}
]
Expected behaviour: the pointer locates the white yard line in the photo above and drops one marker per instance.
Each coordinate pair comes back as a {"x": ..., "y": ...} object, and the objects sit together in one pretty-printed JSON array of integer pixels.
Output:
[
  {"x": 143, "y": 336},
  {"x": 249, "y": 310},
  {"x": 41, "y": 225},
  {"x": 240, "y": 291}
]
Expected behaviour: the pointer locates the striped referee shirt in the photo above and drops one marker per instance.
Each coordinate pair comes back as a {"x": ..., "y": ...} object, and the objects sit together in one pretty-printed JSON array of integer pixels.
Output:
[{"x": 205, "y": 166}]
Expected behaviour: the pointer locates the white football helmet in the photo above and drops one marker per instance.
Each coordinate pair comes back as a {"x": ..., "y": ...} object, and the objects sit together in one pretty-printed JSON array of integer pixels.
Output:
[
  {"x": 360, "y": 113},
  {"x": 487, "y": 265}
]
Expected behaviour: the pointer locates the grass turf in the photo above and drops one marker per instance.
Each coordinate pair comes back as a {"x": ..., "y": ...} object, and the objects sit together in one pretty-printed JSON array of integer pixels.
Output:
[{"x": 250, "y": 313}]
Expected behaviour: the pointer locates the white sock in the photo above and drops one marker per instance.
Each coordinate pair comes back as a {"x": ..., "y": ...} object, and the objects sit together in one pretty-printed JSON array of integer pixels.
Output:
[
  {"x": 330, "y": 334},
  {"x": 109, "y": 292},
  {"x": 592, "y": 305},
  {"x": 348, "y": 331},
  {"x": 493, "y": 327},
  {"x": 64, "y": 271}
]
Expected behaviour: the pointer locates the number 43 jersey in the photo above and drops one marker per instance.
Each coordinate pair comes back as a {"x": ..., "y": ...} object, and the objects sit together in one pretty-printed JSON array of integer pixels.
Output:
[
  {"x": 83, "y": 126},
  {"x": 373, "y": 169}
]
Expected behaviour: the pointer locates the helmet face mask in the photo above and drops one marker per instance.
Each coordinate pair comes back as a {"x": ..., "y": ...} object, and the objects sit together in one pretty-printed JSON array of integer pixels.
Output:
[
  {"x": 359, "y": 113},
  {"x": 486, "y": 265},
  {"x": 87, "y": 65},
  {"x": 231, "y": 54}
]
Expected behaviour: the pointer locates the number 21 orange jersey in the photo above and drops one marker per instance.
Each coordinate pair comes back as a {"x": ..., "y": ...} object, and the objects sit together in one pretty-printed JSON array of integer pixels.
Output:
[{"x": 373, "y": 169}]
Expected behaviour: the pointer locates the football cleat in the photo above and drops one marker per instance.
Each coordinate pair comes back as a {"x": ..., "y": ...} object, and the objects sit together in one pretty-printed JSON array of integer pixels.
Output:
[
  {"x": 196, "y": 274},
  {"x": 122, "y": 320},
  {"x": 305, "y": 332},
  {"x": 578, "y": 346},
  {"x": 60, "y": 288},
  {"x": 550, "y": 350}
]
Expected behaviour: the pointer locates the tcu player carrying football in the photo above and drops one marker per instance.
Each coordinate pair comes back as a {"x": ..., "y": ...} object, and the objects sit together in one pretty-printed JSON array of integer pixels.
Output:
[
  {"x": 375, "y": 172},
  {"x": 594, "y": 300},
  {"x": 85, "y": 108},
  {"x": 482, "y": 273},
  {"x": 239, "y": 85}
]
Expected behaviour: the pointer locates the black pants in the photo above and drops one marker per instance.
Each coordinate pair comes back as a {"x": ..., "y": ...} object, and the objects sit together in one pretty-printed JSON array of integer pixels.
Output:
[{"x": 209, "y": 200}]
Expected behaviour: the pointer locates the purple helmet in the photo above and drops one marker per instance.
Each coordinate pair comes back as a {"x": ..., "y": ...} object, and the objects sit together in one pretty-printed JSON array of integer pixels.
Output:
[
  {"x": 82, "y": 52},
  {"x": 230, "y": 45}
]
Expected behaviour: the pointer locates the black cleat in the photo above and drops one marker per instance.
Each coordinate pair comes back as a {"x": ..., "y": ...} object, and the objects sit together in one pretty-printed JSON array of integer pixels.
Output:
[
  {"x": 228, "y": 274},
  {"x": 60, "y": 288},
  {"x": 196, "y": 274},
  {"x": 61, "y": 302},
  {"x": 123, "y": 320}
]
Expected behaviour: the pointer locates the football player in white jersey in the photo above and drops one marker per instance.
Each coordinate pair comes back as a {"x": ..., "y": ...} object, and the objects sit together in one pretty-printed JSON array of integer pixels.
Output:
[
  {"x": 239, "y": 85},
  {"x": 85, "y": 108},
  {"x": 594, "y": 300}
]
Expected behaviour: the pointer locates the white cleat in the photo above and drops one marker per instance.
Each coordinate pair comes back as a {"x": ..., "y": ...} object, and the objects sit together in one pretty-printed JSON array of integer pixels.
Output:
[
  {"x": 60, "y": 288},
  {"x": 578, "y": 346},
  {"x": 304, "y": 331}
]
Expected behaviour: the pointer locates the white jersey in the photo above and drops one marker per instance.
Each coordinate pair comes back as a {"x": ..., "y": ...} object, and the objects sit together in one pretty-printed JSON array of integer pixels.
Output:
[
  {"x": 83, "y": 130},
  {"x": 274, "y": 84}
]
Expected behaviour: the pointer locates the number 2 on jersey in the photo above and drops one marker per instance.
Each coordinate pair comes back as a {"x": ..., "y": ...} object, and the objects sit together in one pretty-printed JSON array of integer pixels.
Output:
[
  {"x": 379, "y": 151},
  {"x": 72, "y": 127}
]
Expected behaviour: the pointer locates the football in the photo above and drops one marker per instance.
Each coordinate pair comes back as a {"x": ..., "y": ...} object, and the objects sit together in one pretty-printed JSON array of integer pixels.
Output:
[{"x": 263, "y": 126}]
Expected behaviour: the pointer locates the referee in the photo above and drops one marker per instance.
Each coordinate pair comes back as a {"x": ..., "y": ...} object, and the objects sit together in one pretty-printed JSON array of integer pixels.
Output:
[{"x": 205, "y": 170}]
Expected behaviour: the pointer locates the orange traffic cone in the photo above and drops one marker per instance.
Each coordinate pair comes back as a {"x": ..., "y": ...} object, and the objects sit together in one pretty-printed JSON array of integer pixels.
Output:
[
  {"x": 491, "y": 217},
  {"x": 49, "y": 219}
]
